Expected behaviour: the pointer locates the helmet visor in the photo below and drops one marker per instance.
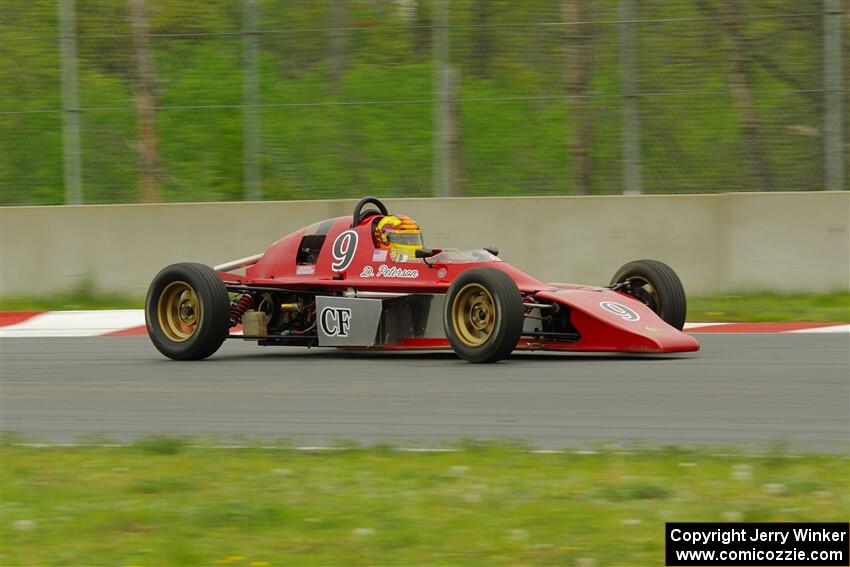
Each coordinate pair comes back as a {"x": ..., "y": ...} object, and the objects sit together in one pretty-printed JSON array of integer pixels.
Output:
[{"x": 406, "y": 238}]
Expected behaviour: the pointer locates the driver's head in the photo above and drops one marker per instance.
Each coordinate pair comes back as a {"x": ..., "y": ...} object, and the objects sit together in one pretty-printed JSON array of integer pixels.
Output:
[{"x": 400, "y": 234}]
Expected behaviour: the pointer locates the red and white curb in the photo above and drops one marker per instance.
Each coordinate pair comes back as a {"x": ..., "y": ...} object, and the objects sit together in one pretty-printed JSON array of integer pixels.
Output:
[
  {"x": 131, "y": 323},
  {"x": 767, "y": 328},
  {"x": 40, "y": 324}
]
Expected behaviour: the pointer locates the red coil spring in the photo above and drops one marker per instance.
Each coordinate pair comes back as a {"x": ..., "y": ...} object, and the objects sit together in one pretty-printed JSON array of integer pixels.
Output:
[{"x": 239, "y": 308}]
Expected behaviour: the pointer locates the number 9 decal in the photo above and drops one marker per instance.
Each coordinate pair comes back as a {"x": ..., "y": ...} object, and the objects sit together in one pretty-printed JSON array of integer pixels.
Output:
[
  {"x": 620, "y": 310},
  {"x": 344, "y": 248}
]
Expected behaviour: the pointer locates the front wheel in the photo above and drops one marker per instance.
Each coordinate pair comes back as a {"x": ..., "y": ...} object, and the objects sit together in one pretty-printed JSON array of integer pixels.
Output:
[
  {"x": 657, "y": 285},
  {"x": 187, "y": 311},
  {"x": 483, "y": 315}
]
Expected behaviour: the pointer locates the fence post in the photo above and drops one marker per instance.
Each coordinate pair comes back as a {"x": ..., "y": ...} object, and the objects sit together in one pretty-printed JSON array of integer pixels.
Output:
[
  {"x": 70, "y": 103},
  {"x": 251, "y": 99},
  {"x": 144, "y": 90},
  {"x": 441, "y": 100},
  {"x": 631, "y": 123},
  {"x": 832, "y": 80}
]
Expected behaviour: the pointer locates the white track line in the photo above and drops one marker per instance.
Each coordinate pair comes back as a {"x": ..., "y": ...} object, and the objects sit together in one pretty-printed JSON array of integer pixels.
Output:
[
  {"x": 338, "y": 449},
  {"x": 76, "y": 323},
  {"x": 694, "y": 325},
  {"x": 832, "y": 329}
]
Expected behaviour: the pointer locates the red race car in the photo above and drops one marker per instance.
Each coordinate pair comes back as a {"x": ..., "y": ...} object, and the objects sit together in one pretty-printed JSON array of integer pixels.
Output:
[{"x": 368, "y": 282}]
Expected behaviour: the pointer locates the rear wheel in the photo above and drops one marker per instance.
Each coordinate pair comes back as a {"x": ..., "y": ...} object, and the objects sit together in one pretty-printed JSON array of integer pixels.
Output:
[
  {"x": 483, "y": 315},
  {"x": 657, "y": 285},
  {"x": 186, "y": 311}
]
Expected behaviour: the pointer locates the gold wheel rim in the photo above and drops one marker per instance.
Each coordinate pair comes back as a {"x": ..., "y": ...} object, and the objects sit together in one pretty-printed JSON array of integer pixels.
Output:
[
  {"x": 474, "y": 315},
  {"x": 178, "y": 311}
]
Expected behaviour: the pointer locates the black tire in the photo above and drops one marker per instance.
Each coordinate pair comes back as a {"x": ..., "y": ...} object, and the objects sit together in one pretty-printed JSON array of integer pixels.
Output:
[
  {"x": 664, "y": 293},
  {"x": 211, "y": 324},
  {"x": 505, "y": 302}
]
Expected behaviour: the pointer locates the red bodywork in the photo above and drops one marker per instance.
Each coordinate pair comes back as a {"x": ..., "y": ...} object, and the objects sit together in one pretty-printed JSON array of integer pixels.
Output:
[{"x": 600, "y": 329}]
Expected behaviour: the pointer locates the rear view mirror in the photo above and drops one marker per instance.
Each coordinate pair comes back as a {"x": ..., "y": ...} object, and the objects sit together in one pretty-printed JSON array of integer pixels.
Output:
[{"x": 424, "y": 253}]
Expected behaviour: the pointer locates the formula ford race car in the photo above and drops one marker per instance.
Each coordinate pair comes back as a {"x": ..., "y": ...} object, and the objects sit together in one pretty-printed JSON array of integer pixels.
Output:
[{"x": 368, "y": 282}]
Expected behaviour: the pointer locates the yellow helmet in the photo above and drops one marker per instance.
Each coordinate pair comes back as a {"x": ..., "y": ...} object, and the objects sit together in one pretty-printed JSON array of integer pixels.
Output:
[{"x": 400, "y": 234}]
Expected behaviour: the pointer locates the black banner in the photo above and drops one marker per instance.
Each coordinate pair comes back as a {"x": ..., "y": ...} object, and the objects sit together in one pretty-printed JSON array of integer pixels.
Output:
[{"x": 818, "y": 544}]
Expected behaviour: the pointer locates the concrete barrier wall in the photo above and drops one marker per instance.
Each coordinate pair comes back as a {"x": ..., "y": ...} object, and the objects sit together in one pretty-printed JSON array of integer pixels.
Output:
[{"x": 717, "y": 243}]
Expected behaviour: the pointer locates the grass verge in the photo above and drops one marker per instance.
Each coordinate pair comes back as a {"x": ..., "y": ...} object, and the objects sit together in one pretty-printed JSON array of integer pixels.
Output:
[
  {"x": 82, "y": 297},
  {"x": 766, "y": 307},
  {"x": 771, "y": 307},
  {"x": 165, "y": 502}
]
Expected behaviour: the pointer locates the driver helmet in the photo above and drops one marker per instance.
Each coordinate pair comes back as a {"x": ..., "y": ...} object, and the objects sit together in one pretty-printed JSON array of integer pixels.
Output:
[{"x": 400, "y": 235}]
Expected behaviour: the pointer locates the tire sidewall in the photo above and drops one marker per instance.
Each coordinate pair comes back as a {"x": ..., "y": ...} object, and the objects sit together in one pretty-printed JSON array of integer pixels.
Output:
[
  {"x": 672, "y": 306},
  {"x": 207, "y": 337},
  {"x": 501, "y": 341}
]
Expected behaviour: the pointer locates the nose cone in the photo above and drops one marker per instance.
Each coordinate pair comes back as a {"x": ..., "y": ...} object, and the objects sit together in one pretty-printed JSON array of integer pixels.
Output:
[
  {"x": 610, "y": 321},
  {"x": 673, "y": 340}
]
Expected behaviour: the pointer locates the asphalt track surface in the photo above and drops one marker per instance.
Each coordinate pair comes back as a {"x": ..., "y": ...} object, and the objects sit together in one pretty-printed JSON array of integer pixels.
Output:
[{"x": 745, "y": 390}]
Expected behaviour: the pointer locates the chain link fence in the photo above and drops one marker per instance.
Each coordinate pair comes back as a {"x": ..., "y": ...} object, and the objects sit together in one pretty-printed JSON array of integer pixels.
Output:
[{"x": 176, "y": 100}]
